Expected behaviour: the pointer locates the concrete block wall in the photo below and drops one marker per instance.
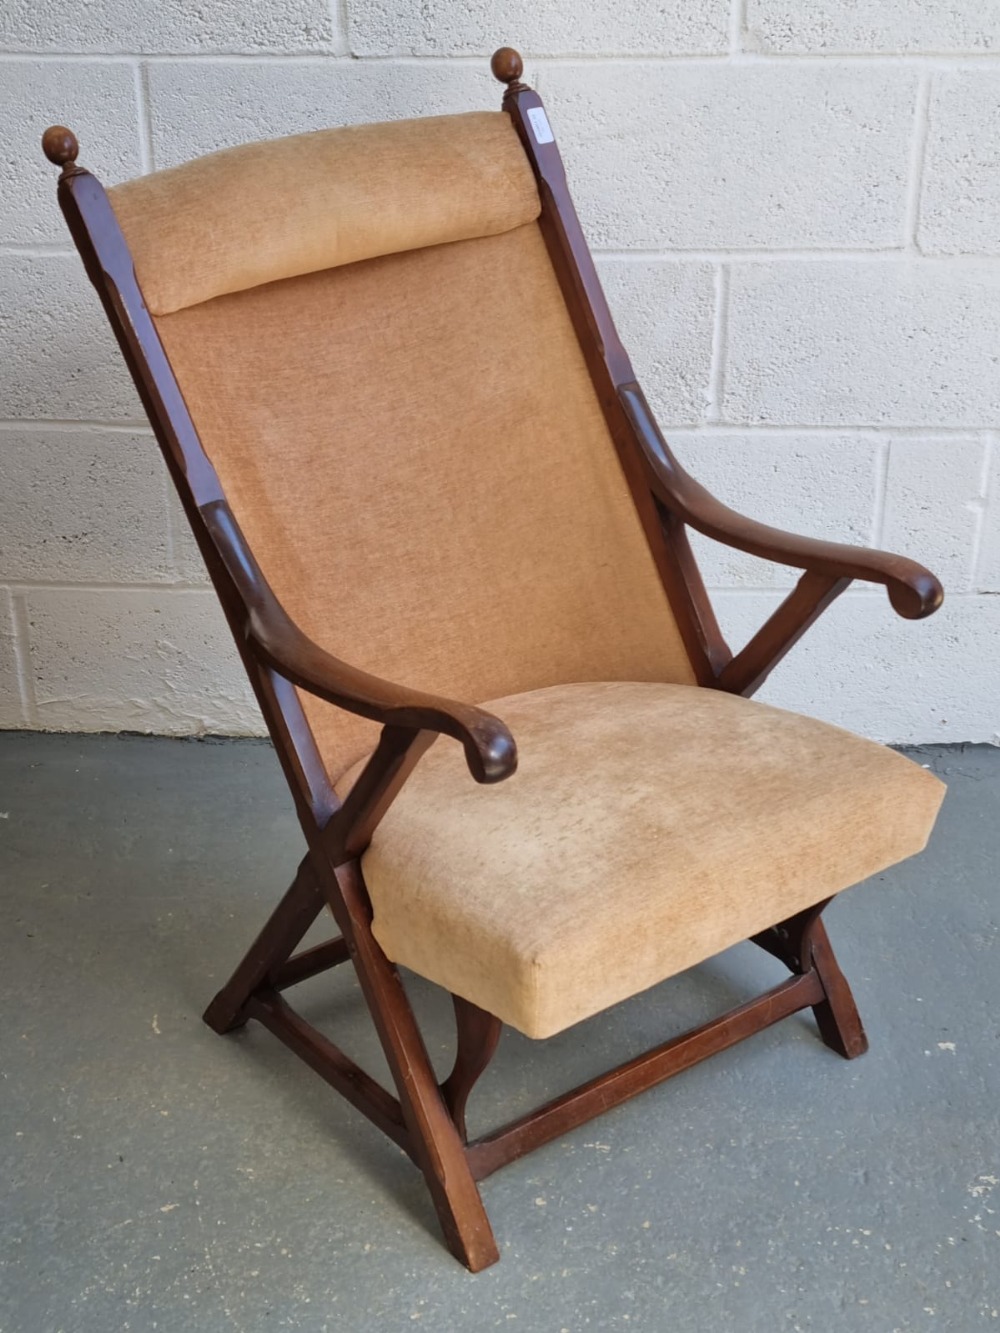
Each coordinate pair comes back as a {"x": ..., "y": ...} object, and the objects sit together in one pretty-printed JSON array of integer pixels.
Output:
[{"x": 796, "y": 209}]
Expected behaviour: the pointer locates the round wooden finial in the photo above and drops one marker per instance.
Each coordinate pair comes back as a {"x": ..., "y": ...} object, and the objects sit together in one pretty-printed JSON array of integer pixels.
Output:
[
  {"x": 507, "y": 65},
  {"x": 59, "y": 145}
]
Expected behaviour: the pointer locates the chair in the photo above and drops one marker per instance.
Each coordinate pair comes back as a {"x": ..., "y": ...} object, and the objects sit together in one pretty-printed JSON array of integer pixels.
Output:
[{"x": 407, "y": 437}]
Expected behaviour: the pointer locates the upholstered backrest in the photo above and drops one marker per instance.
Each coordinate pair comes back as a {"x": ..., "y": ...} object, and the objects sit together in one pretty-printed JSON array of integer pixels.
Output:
[{"x": 375, "y": 351}]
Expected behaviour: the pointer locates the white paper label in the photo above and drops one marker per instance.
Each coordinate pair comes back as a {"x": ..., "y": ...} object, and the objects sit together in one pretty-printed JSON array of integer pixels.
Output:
[{"x": 540, "y": 127}]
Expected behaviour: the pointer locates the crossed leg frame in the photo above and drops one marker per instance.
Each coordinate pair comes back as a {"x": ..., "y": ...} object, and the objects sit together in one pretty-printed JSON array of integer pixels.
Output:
[{"x": 427, "y": 1119}]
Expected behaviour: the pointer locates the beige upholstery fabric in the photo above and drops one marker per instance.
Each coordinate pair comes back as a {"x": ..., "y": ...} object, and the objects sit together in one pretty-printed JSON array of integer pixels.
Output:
[
  {"x": 648, "y": 827},
  {"x": 266, "y": 211},
  {"x": 416, "y": 454}
]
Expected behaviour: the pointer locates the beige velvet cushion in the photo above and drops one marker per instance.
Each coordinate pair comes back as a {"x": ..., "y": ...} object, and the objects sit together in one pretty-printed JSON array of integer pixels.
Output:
[
  {"x": 647, "y": 828},
  {"x": 266, "y": 211},
  {"x": 417, "y": 456}
]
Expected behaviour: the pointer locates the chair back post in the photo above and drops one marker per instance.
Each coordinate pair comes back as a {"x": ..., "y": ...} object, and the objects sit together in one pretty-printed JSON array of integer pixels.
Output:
[
  {"x": 610, "y": 369},
  {"x": 108, "y": 263}
]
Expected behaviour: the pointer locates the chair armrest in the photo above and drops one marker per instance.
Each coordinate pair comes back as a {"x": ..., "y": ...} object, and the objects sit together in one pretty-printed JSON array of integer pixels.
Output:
[
  {"x": 277, "y": 641},
  {"x": 913, "y": 590}
]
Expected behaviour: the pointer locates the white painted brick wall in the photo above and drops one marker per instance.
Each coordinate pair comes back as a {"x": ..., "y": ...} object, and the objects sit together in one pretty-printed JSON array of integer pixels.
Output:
[
  {"x": 629, "y": 27},
  {"x": 106, "y": 108},
  {"x": 960, "y": 206},
  {"x": 987, "y": 576},
  {"x": 666, "y": 312},
  {"x": 716, "y": 156},
  {"x": 796, "y": 208},
  {"x": 131, "y": 659},
  {"x": 846, "y": 342},
  {"x": 935, "y": 509},
  {"x": 12, "y": 704},
  {"x": 84, "y": 538},
  {"x": 169, "y": 26},
  {"x": 198, "y": 106},
  {"x": 895, "y": 27},
  {"x": 60, "y": 359}
]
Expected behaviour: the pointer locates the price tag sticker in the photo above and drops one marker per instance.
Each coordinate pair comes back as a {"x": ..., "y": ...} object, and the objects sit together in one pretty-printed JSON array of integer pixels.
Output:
[{"x": 540, "y": 126}]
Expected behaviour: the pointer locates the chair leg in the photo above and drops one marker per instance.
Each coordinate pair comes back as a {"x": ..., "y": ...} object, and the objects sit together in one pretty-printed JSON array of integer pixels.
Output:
[
  {"x": 802, "y": 944},
  {"x": 286, "y": 925},
  {"x": 837, "y": 1016},
  {"x": 437, "y": 1145},
  {"x": 478, "y": 1035}
]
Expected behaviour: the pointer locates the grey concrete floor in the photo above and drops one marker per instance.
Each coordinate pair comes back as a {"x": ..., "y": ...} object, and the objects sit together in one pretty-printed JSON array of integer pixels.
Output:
[{"x": 157, "y": 1176}]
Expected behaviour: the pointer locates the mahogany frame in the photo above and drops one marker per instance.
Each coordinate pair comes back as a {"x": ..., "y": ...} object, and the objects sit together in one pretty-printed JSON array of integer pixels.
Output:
[{"x": 424, "y": 1118}]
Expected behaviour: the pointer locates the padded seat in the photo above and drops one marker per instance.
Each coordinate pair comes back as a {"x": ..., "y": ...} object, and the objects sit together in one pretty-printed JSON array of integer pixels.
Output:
[{"x": 647, "y": 828}]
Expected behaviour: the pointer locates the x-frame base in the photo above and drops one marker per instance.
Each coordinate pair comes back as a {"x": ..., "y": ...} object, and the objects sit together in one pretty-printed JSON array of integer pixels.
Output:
[{"x": 427, "y": 1119}]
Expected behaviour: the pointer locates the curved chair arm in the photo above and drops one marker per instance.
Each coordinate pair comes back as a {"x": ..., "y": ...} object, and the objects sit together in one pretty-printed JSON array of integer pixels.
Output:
[
  {"x": 913, "y": 590},
  {"x": 277, "y": 641}
]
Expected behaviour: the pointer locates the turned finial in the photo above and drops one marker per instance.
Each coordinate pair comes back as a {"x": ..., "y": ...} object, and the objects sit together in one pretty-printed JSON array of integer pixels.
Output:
[
  {"x": 59, "y": 145},
  {"x": 507, "y": 65}
]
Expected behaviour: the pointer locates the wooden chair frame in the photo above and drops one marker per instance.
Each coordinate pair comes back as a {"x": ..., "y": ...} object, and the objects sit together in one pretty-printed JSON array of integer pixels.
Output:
[{"x": 427, "y": 1119}]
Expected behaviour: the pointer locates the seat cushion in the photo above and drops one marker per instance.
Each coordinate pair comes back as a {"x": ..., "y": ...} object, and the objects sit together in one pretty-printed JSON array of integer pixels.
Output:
[{"x": 647, "y": 828}]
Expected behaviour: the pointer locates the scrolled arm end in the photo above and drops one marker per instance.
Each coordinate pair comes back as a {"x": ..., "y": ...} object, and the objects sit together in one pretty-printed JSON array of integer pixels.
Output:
[
  {"x": 916, "y": 595},
  {"x": 490, "y": 750}
]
